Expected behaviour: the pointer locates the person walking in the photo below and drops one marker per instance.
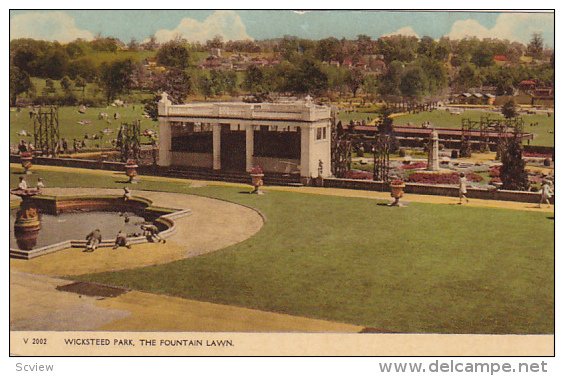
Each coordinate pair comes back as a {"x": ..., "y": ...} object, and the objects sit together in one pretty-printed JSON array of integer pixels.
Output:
[
  {"x": 462, "y": 188},
  {"x": 546, "y": 193},
  {"x": 93, "y": 240}
]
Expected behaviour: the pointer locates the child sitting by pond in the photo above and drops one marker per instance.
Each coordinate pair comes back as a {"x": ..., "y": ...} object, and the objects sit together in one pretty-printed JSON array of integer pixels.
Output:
[
  {"x": 93, "y": 240},
  {"x": 121, "y": 240}
]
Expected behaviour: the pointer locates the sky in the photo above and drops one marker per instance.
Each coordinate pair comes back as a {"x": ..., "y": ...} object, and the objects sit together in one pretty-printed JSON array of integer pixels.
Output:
[{"x": 195, "y": 25}]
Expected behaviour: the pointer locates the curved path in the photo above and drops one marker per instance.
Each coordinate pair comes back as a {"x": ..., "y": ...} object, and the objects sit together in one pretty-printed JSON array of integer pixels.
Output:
[{"x": 213, "y": 225}]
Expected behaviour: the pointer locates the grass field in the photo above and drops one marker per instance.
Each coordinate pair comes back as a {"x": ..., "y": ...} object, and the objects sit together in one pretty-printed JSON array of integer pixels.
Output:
[
  {"x": 69, "y": 127},
  {"x": 443, "y": 119},
  {"x": 346, "y": 117},
  {"x": 424, "y": 268}
]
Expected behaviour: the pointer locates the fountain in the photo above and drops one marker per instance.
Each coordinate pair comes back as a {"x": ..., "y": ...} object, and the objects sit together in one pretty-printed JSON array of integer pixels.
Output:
[{"x": 27, "y": 224}]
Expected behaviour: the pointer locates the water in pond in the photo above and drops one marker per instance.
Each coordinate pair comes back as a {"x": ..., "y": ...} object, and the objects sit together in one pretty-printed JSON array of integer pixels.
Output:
[{"x": 75, "y": 226}]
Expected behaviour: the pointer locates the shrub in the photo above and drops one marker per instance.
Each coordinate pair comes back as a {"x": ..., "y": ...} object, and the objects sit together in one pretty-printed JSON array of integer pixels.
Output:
[
  {"x": 494, "y": 171},
  {"x": 402, "y": 152}
]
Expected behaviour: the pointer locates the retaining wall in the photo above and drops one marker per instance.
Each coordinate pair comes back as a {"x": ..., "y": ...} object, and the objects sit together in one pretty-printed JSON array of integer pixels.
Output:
[{"x": 437, "y": 190}]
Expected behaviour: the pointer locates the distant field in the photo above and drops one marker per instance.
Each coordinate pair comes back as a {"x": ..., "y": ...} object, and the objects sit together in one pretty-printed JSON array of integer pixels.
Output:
[
  {"x": 91, "y": 92},
  {"x": 69, "y": 127},
  {"x": 443, "y": 119}
]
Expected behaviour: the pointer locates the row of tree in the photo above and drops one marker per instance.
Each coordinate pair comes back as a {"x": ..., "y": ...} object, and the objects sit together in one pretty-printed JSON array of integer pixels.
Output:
[{"x": 415, "y": 67}]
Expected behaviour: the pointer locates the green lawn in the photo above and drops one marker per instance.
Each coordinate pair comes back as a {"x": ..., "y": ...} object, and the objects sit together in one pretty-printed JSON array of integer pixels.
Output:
[
  {"x": 423, "y": 268},
  {"x": 69, "y": 128},
  {"x": 443, "y": 119},
  {"x": 346, "y": 117}
]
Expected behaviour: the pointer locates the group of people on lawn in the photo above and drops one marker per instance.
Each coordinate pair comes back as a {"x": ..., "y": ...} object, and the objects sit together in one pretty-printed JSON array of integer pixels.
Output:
[{"x": 150, "y": 231}]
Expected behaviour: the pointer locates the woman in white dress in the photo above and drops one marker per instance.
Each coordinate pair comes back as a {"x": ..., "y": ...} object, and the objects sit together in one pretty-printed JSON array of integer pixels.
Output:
[
  {"x": 546, "y": 193},
  {"x": 462, "y": 188}
]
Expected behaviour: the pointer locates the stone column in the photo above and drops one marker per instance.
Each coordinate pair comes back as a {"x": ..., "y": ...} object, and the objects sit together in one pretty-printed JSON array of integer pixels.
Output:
[
  {"x": 433, "y": 160},
  {"x": 306, "y": 139},
  {"x": 216, "y": 131},
  {"x": 249, "y": 146},
  {"x": 165, "y": 138}
]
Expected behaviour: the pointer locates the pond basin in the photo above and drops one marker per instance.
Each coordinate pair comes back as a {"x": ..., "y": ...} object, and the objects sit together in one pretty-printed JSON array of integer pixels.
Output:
[{"x": 67, "y": 220}]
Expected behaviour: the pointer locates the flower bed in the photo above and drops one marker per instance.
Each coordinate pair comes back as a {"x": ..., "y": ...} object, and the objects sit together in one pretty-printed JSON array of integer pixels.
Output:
[
  {"x": 494, "y": 171},
  {"x": 413, "y": 166},
  {"x": 451, "y": 178},
  {"x": 536, "y": 155},
  {"x": 359, "y": 174}
]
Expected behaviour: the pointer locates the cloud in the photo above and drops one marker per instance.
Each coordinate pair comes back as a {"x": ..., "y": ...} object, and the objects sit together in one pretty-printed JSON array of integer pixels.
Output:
[
  {"x": 512, "y": 26},
  {"x": 226, "y": 24},
  {"x": 50, "y": 26},
  {"x": 405, "y": 31}
]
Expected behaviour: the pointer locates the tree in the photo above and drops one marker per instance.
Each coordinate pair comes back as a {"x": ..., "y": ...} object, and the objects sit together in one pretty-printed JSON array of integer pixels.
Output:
[
  {"x": 385, "y": 125},
  {"x": 216, "y": 42},
  {"x": 81, "y": 83},
  {"x": 83, "y": 67},
  {"x": 174, "y": 54},
  {"x": 66, "y": 84},
  {"x": 115, "y": 78},
  {"x": 206, "y": 86},
  {"x": 307, "y": 78},
  {"x": 328, "y": 49},
  {"x": 151, "y": 44},
  {"x": 254, "y": 80},
  {"x": 535, "y": 46},
  {"x": 512, "y": 172},
  {"x": 509, "y": 110},
  {"x": 49, "y": 87},
  {"x": 468, "y": 76},
  {"x": 435, "y": 72},
  {"x": 354, "y": 80},
  {"x": 390, "y": 82},
  {"x": 133, "y": 45},
  {"x": 175, "y": 82},
  {"x": 19, "y": 83},
  {"x": 414, "y": 83}
]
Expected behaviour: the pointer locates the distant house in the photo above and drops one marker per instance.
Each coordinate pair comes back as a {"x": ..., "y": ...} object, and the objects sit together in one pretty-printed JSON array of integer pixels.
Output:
[
  {"x": 501, "y": 60},
  {"x": 347, "y": 62},
  {"x": 527, "y": 85},
  {"x": 543, "y": 96},
  {"x": 473, "y": 98},
  {"x": 378, "y": 66},
  {"x": 213, "y": 62}
]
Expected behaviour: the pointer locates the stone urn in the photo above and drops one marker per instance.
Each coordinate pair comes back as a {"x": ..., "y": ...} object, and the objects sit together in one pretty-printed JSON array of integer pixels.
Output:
[
  {"x": 131, "y": 170},
  {"x": 397, "y": 187},
  {"x": 28, "y": 223},
  {"x": 256, "y": 179},
  {"x": 26, "y": 159}
]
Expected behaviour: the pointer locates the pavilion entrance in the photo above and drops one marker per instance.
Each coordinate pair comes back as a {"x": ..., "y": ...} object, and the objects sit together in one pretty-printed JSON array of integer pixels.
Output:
[{"x": 233, "y": 149}]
